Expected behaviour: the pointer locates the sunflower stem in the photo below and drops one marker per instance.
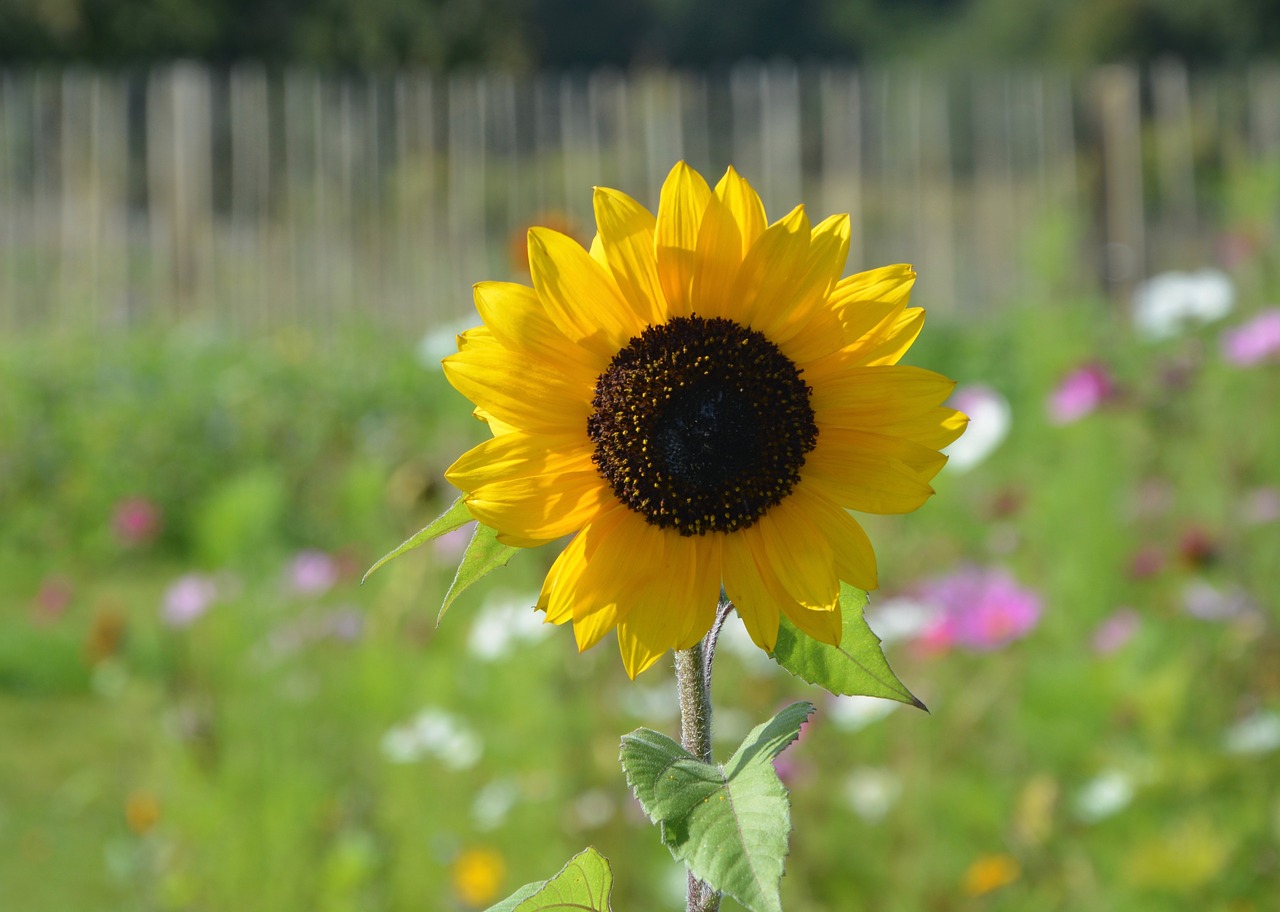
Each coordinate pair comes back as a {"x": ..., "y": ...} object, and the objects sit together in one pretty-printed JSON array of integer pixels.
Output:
[{"x": 693, "y": 679}]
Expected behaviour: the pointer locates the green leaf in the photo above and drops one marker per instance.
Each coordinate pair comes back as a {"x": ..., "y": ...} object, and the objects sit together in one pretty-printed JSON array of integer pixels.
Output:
[
  {"x": 455, "y": 517},
  {"x": 584, "y": 884},
  {"x": 856, "y": 666},
  {"x": 728, "y": 825},
  {"x": 646, "y": 755},
  {"x": 484, "y": 554}
]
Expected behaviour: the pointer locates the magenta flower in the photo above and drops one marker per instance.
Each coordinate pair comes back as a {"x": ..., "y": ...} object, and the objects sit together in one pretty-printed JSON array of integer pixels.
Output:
[
  {"x": 979, "y": 609},
  {"x": 1255, "y": 341},
  {"x": 187, "y": 599},
  {"x": 136, "y": 521},
  {"x": 312, "y": 573},
  {"x": 1080, "y": 393}
]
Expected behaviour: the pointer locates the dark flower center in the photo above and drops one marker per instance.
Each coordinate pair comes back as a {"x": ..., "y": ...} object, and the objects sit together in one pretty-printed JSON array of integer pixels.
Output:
[{"x": 701, "y": 425}]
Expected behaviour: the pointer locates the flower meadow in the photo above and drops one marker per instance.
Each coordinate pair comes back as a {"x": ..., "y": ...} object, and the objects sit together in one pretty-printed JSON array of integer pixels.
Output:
[{"x": 203, "y": 709}]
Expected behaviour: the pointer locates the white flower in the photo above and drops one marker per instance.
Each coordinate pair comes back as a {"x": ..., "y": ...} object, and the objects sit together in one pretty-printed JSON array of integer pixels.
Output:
[
  {"x": 901, "y": 618},
  {"x": 434, "y": 733},
  {"x": 442, "y": 341},
  {"x": 504, "y": 622},
  {"x": 872, "y": 792},
  {"x": 494, "y": 802},
  {"x": 1165, "y": 305},
  {"x": 1102, "y": 796},
  {"x": 989, "y": 419},
  {"x": 857, "y": 712},
  {"x": 1258, "y": 733}
]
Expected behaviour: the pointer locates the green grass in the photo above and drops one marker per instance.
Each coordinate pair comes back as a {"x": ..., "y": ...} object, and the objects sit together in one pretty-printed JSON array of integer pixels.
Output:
[{"x": 260, "y": 739}]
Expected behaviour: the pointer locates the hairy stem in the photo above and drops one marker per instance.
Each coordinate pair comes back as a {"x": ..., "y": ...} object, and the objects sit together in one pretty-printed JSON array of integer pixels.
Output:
[{"x": 693, "y": 678}]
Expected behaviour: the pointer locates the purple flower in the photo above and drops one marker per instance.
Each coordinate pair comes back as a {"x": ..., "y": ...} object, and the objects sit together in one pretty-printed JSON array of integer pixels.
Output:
[
  {"x": 136, "y": 521},
  {"x": 979, "y": 609},
  {"x": 1080, "y": 393},
  {"x": 312, "y": 573},
  {"x": 187, "y": 599},
  {"x": 1255, "y": 341}
]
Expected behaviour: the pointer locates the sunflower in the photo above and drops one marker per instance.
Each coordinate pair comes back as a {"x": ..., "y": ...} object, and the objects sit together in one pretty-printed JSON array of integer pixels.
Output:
[{"x": 698, "y": 400}]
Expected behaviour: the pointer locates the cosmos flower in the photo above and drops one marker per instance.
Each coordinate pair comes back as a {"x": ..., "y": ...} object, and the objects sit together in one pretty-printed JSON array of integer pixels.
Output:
[
  {"x": 1079, "y": 393},
  {"x": 698, "y": 400},
  {"x": 1167, "y": 304},
  {"x": 136, "y": 521},
  {"x": 312, "y": 573},
  {"x": 1254, "y": 342},
  {"x": 979, "y": 609},
  {"x": 187, "y": 599}
]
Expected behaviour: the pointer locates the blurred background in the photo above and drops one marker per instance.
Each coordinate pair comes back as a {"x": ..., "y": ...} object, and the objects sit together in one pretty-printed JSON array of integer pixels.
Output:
[{"x": 236, "y": 239}]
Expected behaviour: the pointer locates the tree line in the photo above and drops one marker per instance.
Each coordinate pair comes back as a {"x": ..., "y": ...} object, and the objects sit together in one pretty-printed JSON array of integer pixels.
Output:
[{"x": 526, "y": 35}]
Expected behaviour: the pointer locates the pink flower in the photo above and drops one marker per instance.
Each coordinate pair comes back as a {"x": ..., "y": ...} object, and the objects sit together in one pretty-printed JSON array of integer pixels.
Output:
[
  {"x": 187, "y": 599},
  {"x": 136, "y": 521},
  {"x": 980, "y": 609},
  {"x": 1080, "y": 393},
  {"x": 53, "y": 597},
  {"x": 312, "y": 573},
  {"x": 1115, "y": 631},
  {"x": 1260, "y": 506},
  {"x": 1255, "y": 341}
]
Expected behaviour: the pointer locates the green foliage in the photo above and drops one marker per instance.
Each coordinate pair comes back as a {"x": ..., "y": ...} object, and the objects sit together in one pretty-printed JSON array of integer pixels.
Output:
[
  {"x": 453, "y": 518},
  {"x": 484, "y": 554},
  {"x": 584, "y": 883},
  {"x": 695, "y": 33},
  {"x": 729, "y": 825},
  {"x": 856, "y": 666}
]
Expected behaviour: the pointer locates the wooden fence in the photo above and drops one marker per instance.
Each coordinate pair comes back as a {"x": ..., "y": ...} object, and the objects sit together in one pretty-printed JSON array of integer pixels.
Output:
[{"x": 266, "y": 199}]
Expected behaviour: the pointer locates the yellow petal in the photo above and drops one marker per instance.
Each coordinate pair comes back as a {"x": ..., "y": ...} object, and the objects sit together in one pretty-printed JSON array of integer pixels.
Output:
[
  {"x": 594, "y": 585},
  {"x": 517, "y": 320},
  {"x": 627, "y": 232},
  {"x": 800, "y": 557},
  {"x": 812, "y": 603},
  {"x": 891, "y": 284},
  {"x": 668, "y": 604},
  {"x": 528, "y": 392},
  {"x": 744, "y": 583},
  {"x": 888, "y": 345},
  {"x": 934, "y": 429},
  {"x": 859, "y": 396},
  {"x": 859, "y": 478},
  {"x": 716, "y": 261},
  {"x": 680, "y": 206},
  {"x": 855, "y": 559},
  {"x": 579, "y": 294},
  {"x": 520, "y": 455},
  {"x": 541, "y": 507},
  {"x": 745, "y": 206},
  {"x": 765, "y": 290}
]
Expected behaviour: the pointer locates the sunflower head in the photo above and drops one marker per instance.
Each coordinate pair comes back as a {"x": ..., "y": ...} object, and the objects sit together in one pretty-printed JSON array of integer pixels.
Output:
[{"x": 698, "y": 399}]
